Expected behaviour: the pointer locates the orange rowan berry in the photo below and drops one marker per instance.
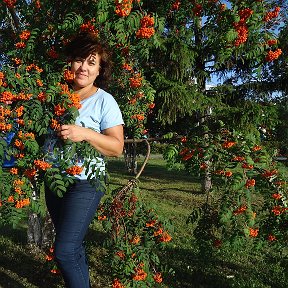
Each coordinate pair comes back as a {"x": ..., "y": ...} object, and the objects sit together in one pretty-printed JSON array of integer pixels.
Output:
[
  {"x": 89, "y": 27},
  {"x": 273, "y": 55},
  {"x": 253, "y": 232},
  {"x": 165, "y": 237},
  {"x": 52, "y": 53},
  {"x": 25, "y": 35},
  {"x": 14, "y": 171},
  {"x": 10, "y": 3},
  {"x": 271, "y": 238},
  {"x": 42, "y": 165},
  {"x": 123, "y": 7},
  {"x": 68, "y": 76},
  {"x": 59, "y": 110},
  {"x": 74, "y": 170},
  {"x": 158, "y": 277},
  {"x": 41, "y": 96},
  {"x": 176, "y": 5},
  {"x": 276, "y": 196},
  {"x": 20, "y": 45},
  {"x": 250, "y": 183},
  {"x": 117, "y": 284},
  {"x": 140, "y": 275},
  {"x": 271, "y": 14}
]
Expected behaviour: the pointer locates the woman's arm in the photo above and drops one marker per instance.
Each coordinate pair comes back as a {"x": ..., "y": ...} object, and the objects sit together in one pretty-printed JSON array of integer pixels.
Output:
[{"x": 110, "y": 143}]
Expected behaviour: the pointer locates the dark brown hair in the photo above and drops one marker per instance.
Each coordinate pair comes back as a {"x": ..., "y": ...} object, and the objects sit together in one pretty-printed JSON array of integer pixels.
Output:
[{"x": 84, "y": 44}]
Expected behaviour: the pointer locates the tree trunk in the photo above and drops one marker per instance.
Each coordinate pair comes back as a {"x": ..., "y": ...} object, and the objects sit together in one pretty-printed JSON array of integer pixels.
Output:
[
  {"x": 40, "y": 231},
  {"x": 130, "y": 156}
]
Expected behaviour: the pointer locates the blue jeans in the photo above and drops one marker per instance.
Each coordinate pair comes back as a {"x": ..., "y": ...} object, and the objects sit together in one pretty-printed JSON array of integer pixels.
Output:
[{"x": 71, "y": 216}]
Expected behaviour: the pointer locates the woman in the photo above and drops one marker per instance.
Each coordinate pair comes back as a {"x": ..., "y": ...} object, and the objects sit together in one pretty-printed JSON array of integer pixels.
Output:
[{"x": 73, "y": 213}]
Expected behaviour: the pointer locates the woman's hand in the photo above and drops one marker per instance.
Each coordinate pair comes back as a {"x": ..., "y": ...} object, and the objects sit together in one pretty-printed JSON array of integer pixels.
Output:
[
  {"x": 74, "y": 133},
  {"x": 110, "y": 143}
]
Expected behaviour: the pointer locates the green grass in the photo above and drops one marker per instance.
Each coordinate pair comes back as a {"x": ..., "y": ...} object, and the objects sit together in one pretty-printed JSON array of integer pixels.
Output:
[{"x": 173, "y": 194}]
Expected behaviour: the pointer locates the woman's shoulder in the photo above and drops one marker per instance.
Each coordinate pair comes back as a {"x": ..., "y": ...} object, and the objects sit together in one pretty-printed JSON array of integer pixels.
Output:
[
  {"x": 102, "y": 94},
  {"x": 105, "y": 97}
]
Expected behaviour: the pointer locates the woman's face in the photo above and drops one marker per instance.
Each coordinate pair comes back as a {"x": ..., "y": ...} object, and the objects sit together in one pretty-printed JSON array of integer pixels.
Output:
[{"x": 86, "y": 70}]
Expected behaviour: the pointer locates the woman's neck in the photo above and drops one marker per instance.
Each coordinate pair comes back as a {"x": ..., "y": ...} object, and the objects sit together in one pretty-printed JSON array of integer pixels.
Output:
[{"x": 85, "y": 92}]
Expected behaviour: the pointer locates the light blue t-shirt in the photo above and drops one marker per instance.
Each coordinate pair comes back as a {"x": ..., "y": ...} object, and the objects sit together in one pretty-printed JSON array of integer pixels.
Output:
[{"x": 98, "y": 112}]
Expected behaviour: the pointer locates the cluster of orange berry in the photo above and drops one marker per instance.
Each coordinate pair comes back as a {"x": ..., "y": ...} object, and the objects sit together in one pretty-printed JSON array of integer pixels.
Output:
[
  {"x": 74, "y": 170},
  {"x": 4, "y": 112},
  {"x": 25, "y": 35},
  {"x": 271, "y": 14},
  {"x": 42, "y": 165},
  {"x": 5, "y": 126},
  {"x": 228, "y": 144},
  {"x": 59, "y": 110},
  {"x": 273, "y": 55},
  {"x": 35, "y": 67},
  {"x": 20, "y": 45},
  {"x": 19, "y": 144},
  {"x": 27, "y": 135},
  {"x": 55, "y": 125},
  {"x": 222, "y": 7},
  {"x": 139, "y": 117},
  {"x": 223, "y": 173},
  {"x": 136, "y": 81},
  {"x": 2, "y": 76},
  {"x": 41, "y": 96},
  {"x": 197, "y": 10},
  {"x": 22, "y": 203},
  {"x": 146, "y": 31},
  {"x": 245, "y": 14},
  {"x": 127, "y": 67},
  {"x": 247, "y": 166},
  {"x": 117, "y": 284},
  {"x": 68, "y": 76},
  {"x": 52, "y": 53},
  {"x": 268, "y": 174},
  {"x": 253, "y": 232},
  {"x": 140, "y": 274},
  {"x": 89, "y": 27},
  {"x": 176, "y": 5},
  {"x": 30, "y": 173},
  {"x": 238, "y": 158},
  {"x": 123, "y": 7},
  {"x": 73, "y": 97},
  {"x": 10, "y": 3},
  {"x": 278, "y": 210},
  {"x": 7, "y": 97},
  {"x": 272, "y": 42},
  {"x": 256, "y": 148},
  {"x": 241, "y": 27},
  {"x": 37, "y": 4},
  {"x": 250, "y": 183},
  {"x": 240, "y": 210}
]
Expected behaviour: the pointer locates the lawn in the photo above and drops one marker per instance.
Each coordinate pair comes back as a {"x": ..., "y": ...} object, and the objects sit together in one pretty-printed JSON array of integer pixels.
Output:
[{"x": 173, "y": 194}]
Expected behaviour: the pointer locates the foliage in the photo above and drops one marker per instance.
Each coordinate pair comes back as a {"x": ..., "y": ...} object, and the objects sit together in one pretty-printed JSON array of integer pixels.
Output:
[
  {"x": 137, "y": 236},
  {"x": 248, "y": 200},
  {"x": 205, "y": 39}
]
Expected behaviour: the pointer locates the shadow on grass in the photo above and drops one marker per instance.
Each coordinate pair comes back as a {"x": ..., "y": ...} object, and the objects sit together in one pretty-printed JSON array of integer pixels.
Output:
[
  {"x": 150, "y": 170},
  {"x": 193, "y": 271},
  {"x": 19, "y": 266},
  {"x": 100, "y": 272}
]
